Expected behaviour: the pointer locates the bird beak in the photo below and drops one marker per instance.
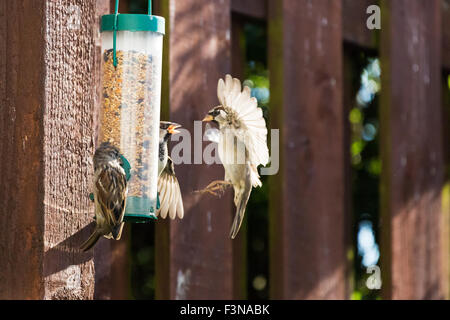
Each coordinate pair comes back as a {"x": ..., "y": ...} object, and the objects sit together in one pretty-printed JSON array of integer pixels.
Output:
[
  {"x": 172, "y": 127},
  {"x": 208, "y": 118}
]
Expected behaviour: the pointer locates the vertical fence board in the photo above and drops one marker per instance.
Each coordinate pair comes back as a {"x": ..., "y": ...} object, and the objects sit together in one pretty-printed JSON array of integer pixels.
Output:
[
  {"x": 354, "y": 23},
  {"x": 445, "y": 7},
  {"x": 21, "y": 199},
  {"x": 446, "y": 190},
  {"x": 194, "y": 255},
  {"x": 162, "y": 227},
  {"x": 307, "y": 196},
  {"x": 412, "y": 154},
  {"x": 47, "y": 125},
  {"x": 68, "y": 141},
  {"x": 240, "y": 242},
  {"x": 251, "y": 8}
]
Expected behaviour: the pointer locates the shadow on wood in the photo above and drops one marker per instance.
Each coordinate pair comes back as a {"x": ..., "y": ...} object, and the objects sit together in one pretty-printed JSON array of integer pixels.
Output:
[{"x": 56, "y": 259}]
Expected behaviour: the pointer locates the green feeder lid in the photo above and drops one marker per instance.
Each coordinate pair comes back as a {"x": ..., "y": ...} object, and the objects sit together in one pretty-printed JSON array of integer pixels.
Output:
[{"x": 133, "y": 22}]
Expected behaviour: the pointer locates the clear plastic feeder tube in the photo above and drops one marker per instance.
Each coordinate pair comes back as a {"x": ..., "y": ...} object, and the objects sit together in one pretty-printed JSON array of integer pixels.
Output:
[{"x": 130, "y": 112}]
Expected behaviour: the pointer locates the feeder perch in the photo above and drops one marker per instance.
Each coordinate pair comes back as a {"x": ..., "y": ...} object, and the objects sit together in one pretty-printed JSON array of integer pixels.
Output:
[{"x": 130, "y": 113}]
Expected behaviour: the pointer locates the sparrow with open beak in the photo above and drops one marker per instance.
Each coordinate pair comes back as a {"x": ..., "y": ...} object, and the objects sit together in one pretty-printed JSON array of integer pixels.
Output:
[
  {"x": 170, "y": 198},
  {"x": 110, "y": 192},
  {"x": 242, "y": 143}
]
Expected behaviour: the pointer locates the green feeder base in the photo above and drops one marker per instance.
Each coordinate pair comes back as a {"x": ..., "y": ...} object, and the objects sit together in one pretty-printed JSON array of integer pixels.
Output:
[
  {"x": 138, "y": 210},
  {"x": 139, "y": 218}
]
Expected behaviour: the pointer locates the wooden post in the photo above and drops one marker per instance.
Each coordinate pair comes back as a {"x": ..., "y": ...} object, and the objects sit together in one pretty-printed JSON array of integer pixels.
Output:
[
  {"x": 445, "y": 8},
  {"x": 412, "y": 155},
  {"x": 250, "y": 8},
  {"x": 307, "y": 218},
  {"x": 49, "y": 84},
  {"x": 21, "y": 126},
  {"x": 194, "y": 255},
  {"x": 354, "y": 23},
  {"x": 238, "y": 60},
  {"x": 446, "y": 190}
]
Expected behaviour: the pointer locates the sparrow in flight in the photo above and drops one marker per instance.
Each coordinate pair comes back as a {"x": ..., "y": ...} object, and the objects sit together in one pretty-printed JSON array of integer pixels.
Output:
[{"x": 242, "y": 143}]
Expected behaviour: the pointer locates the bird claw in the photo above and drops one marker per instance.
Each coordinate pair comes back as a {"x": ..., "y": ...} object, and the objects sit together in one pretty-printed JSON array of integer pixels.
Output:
[
  {"x": 215, "y": 188},
  {"x": 203, "y": 191}
]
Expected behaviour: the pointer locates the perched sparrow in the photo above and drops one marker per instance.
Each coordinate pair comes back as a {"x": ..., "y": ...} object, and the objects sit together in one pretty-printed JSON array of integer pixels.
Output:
[
  {"x": 242, "y": 143},
  {"x": 110, "y": 192},
  {"x": 168, "y": 187}
]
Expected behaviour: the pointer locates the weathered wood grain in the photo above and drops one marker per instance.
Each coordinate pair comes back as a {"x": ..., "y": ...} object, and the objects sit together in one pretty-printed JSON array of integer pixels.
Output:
[
  {"x": 307, "y": 219},
  {"x": 21, "y": 217},
  {"x": 68, "y": 145},
  {"x": 412, "y": 155},
  {"x": 194, "y": 255},
  {"x": 49, "y": 85}
]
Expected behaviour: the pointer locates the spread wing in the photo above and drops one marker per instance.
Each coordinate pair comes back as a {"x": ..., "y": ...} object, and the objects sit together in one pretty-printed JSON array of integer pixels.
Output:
[
  {"x": 111, "y": 191},
  {"x": 170, "y": 198},
  {"x": 254, "y": 130}
]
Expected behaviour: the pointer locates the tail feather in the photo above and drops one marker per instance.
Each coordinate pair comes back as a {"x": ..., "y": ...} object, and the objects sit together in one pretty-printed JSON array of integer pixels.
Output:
[
  {"x": 117, "y": 231},
  {"x": 91, "y": 241},
  {"x": 241, "y": 203}
]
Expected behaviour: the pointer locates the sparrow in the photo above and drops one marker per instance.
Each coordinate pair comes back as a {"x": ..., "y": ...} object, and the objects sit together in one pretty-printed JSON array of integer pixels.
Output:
[
  {"x": 242, "y": 143},
  {"x": 110, "y": 193},
  {"x": 170, "y": 198}
]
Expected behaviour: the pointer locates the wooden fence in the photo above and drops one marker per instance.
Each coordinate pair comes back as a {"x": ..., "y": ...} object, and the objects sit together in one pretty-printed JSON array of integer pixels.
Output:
[{"x": 49, "y": 90}]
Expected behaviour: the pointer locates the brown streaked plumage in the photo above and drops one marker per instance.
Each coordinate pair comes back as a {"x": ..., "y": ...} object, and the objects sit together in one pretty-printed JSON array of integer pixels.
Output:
[{"x": 110, "y": 192}]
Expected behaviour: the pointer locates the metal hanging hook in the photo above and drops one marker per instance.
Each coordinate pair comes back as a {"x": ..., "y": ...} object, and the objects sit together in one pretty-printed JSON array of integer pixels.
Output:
[{"x": 116, "y": 12}]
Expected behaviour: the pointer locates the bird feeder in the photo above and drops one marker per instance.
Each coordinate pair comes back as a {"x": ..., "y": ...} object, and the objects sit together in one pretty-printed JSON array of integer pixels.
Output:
[{"x": 129, "y": 117}]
